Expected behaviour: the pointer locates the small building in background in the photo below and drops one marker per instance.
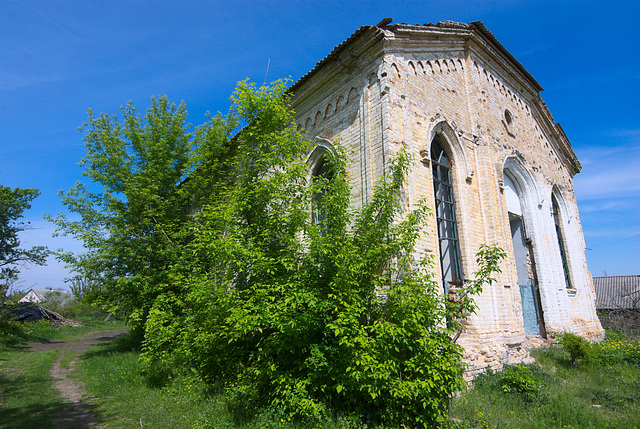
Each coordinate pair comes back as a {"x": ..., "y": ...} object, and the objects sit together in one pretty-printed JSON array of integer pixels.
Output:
[
  {"x": 617, "y": 292},
  {"x": 38, "y": 295}
]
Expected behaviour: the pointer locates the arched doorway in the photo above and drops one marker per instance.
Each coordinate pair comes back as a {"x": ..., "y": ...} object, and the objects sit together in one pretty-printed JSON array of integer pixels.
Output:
[{"x": 524, "y": 258}]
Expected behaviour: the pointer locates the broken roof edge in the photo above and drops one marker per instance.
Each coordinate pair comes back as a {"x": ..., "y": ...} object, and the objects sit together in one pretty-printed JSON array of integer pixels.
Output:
[
  {"x": 334, "y": 53},
  {"x": 476, "y": 27}
]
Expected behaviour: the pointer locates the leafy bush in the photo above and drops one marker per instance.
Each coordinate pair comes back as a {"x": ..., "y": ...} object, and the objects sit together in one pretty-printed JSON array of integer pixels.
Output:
[
  {"x": 617, "y": 347},
  {"x": 80, "y": 308},
  {"x": 519, "y": 379},
  {"x": 577, "y": 347},
  {"x": 525, "y": 381},
  {"x": 55, "y": 300},
  {"x": 10, "y": 333},
  {"x": 227, "y": 273},
  {"x": 71, "y": 307}
]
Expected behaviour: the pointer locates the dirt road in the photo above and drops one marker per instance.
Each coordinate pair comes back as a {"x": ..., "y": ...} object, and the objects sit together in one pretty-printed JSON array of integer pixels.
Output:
[{"x": 78, "y": 413}]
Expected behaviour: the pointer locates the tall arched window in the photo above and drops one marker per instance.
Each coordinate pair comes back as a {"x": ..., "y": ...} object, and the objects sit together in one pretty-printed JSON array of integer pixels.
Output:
[
  {"x": 563, "y": 253},
  {"x": 321, "y": 173},
  {"x": 448, "y": 241}
]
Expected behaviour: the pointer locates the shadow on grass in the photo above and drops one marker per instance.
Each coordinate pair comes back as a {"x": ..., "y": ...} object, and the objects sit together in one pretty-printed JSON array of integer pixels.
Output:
[
  {"x": 48, "y": 414},
  {"x": 125, "y": 343},
  {"x": 40, "y": 415},
  {"x": 22, "y": 406},
  {"x": 246, "y": 411}
]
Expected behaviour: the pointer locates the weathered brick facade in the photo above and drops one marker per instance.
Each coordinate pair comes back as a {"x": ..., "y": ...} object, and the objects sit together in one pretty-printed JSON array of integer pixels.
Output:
[{"x": 405, "y": 85}]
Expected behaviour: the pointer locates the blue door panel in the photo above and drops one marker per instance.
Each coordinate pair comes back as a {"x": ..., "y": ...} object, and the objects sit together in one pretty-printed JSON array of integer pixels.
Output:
[{"x": 529, "y": 310}]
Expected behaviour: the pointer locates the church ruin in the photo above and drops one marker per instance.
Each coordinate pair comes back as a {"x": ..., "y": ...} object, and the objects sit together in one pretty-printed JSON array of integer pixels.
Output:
[{"x": 488, "y": 156}]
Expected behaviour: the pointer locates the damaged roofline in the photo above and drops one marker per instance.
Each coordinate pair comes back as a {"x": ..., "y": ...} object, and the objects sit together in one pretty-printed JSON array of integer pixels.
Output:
[{"x": 476, "y": 27}]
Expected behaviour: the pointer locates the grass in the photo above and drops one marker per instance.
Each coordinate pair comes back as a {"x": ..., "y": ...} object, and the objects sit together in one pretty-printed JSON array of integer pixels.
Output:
[
  {"x": 110, "y": 372},
  {"x": 27, "y": 396},
  {"x": 26, "y": 390},
  {"x": 599, "y": 390},
  {"x": 15, "y": 334},
  {"x": 126, "y": 399},
  {"x": 554, "y": 393}
]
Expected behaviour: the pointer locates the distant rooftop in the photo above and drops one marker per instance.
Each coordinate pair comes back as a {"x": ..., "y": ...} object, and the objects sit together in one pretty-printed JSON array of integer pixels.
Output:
[{"x": 617, "y": 292}]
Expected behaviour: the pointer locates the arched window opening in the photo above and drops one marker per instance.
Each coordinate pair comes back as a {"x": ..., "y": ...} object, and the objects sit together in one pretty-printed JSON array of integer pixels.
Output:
[
  {"x": 321, "y": 174},
  {"x": 523, "y": 257},
  {"x": 563, "y": 254},
  {"x": 448, "y": 241}
]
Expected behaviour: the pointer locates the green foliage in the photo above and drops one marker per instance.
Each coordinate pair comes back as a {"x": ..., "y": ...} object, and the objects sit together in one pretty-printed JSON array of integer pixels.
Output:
[
  {"x": 14, "y": 333},
  {"x": 614, "y": 350},
  {"x": 13, "y": 203},
  {"x": 577, "y": 347},
  {"x": 227, "y": 274},
  {"x": 519, "y": 379},
  {"x": 55, "y": 300},
  {"x": 11, "y": 333},
  {"x": 71, "y": 307},
  {"x": 132, "y": 214},
  {"x": 592, "y": 394}
]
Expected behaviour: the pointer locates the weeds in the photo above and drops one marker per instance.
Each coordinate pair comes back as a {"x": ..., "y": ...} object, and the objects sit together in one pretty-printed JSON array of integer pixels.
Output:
[
  {"x": 596, "y": 387},
  {"x": 602, "y": 391},
  {"x": 577, "y": 347},
  {"x": 520, "y": 380}
]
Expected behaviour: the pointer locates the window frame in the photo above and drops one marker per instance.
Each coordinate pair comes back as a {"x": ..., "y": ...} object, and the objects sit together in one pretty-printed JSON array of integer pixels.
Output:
[
  {"x": 446, "y": 223},
  {"x": 556, "y": 213}
]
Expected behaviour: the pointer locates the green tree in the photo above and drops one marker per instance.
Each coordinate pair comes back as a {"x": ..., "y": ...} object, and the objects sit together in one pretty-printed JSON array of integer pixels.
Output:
[
  {"x": 134, "y": 211},
  {"x": 226, "y": 273},
  {"x": 13, "y": 203},
  {"x": 310, "y": 318}
]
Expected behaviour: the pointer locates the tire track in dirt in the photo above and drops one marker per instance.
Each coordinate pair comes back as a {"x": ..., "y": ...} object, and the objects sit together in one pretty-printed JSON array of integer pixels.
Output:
[{"x": 78, "y": 413}]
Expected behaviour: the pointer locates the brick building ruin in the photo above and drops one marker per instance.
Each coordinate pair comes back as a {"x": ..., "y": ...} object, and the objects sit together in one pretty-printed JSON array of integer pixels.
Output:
[{"x": 489, "y": 157}]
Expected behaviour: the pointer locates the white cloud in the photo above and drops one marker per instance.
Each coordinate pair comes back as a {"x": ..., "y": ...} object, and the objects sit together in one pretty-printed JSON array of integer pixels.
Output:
[
  {"x": 609, "y": 205},
  {"x": 609, "y": 172},
  {"x": 625, "y": 133},
  {"x": 628, "y": 232}
]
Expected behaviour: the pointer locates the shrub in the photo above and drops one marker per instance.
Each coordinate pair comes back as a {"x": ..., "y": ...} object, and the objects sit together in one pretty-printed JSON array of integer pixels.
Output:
[
  {"x": 71, "y": 307},
  {"x": 10, "y": 333},
  {"x": 228, "y": 274},
  {"x": 56, "y": 301},
  {"x": 577, "y": 347},
  {"x": 519, "y": 379}
]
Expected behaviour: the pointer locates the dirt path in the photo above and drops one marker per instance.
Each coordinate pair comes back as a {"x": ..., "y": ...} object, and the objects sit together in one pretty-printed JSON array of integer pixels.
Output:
[{"x": 77, "y": 414}]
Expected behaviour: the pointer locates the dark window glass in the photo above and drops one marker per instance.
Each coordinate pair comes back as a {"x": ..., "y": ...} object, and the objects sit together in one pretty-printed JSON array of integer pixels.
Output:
[
  {"x": 449, "y": 246},
  {"x": 322, "y": 173},
  {"x": 563, "y": 253}
]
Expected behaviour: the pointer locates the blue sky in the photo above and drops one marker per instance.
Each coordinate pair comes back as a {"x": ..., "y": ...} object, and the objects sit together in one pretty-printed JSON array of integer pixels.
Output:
[{"x": 59, "y": 58}]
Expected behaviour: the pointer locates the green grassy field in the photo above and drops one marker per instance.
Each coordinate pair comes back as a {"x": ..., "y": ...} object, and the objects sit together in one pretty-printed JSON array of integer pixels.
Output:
[
  {"x": 26, "y": 390},
  {"x": 126, "y": 399},
  {"x": 598, "y": 390},
  {"x": 601, "y": 390},
  {"x": 27, "y": 396}
]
